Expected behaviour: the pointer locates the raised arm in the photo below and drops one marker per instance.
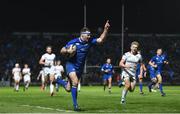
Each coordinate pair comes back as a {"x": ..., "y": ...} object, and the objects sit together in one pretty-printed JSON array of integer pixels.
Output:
[{"x": 104, "y": 34}]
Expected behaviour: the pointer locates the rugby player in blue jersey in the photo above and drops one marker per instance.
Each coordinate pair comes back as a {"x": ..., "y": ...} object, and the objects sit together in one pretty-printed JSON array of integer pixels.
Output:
[
  {"x": 76, "y": 50},
  {"x": 108, "y": 71},
  {"x": 157, "y": 62}
]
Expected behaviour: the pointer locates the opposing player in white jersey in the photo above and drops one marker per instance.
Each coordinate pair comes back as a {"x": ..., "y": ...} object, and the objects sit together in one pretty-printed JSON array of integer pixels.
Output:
[
  {"x": 16, "y": 71},
  {"x": 128, "y": 64},
  {"x": 47, "y": 60},
  {"x": 26, "y": 73},
  {"x": 59, "y": 70},
  {"x": 43, "y": 79}
]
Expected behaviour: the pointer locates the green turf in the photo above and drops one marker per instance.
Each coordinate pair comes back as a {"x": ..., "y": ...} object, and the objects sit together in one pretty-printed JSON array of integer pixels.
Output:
[{"x": 91, "y": 99}]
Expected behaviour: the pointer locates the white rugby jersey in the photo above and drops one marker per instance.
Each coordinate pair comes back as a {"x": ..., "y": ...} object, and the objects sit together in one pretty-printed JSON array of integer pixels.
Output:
[
  {"x": 132, "y": 60},
  {"x": 26, "y": 71},
  {"x": 16, "y": 71},
  {"x": 48, "y": 58},
  {"x": 59, "y": 70},
  {"x": 41, "y": 72}
]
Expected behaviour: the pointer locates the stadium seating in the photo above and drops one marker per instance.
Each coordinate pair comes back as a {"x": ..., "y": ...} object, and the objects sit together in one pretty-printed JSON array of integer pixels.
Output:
[{"x": 28, "y": 48}]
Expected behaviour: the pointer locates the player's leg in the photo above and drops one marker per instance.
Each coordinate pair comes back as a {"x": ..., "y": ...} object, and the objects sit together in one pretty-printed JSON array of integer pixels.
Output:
[
  {"x": 153, "y": 79},
  {"x": 24, "y": 84},
  {"x": 141, "y": 84},
  {"x": 42, "y": 82},
  {"x": 125, "y": 90},
  {"x": 104, "y": 84},
  {"x": 51, "y": 78},
  {"x": 28, "y": 82},
  {"x": 104, "y": 81},
  {"x": 159, "y": 77},
  {"x": 57, "y": 85},
  {"x": 133, "y": 84},
  {"x": 152, "y": 83},
  {"x": 46, "y": 82},
  {"x": 17, "y": 80},
  {"x": 65, "y": 84},
  {"x": 109, "y": 83},
  {"x": 17, "y": 85},
  {"x": 14, "y": 85},
  {"x": 74, "y": 80},
  {"x": 79, "y": 85}
]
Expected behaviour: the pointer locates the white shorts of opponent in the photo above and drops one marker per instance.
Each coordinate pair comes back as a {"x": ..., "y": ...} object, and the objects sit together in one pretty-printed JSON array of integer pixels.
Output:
[
  {"x": 17, "y": 78},
  {"x": 57, "y": 76},
  {"x": 27, "y": 78},
  {"x": 128, "y": 76},
  {"x": 46, "y": 71}
]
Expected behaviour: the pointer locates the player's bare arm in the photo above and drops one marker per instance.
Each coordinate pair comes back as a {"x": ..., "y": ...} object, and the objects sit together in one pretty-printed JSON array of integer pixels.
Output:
[
  {"x": 152, "y": 64},
  {"x": 166, "y": 62},
  {"x": 41, "y": 61},
  {"x": 141, "y": 71},
  {"x": 65, "y": 51},
  {"x": 103, "y": 36},
  {"x": 122, "y": 64}
]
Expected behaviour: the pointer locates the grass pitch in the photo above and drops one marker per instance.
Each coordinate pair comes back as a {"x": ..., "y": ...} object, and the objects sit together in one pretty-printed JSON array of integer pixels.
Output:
[{"x": 91, "y": 99}]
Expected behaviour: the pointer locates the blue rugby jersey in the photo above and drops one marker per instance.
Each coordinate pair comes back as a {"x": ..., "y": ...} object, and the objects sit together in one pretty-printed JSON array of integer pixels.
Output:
[
  {"x": 108, "y": 67},
  {"x": 159, "y": 61},
  {"x": 82, "y": 48}
]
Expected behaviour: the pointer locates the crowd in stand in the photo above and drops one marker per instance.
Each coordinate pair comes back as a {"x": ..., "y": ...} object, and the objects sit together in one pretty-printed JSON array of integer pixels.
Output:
[{"x": 29, "y": 48}]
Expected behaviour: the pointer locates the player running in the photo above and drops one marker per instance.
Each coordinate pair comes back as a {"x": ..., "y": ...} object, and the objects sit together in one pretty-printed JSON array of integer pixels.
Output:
[
  {"x": 129, "y": 64},
  {"x": 77, "y": 49},
  {"x": 16, "y": 71},
  {"x": 108, "y": 72},
  {"x": 157, "y": 62},
  {"x": 59, "y": 70},
  {"x": 27, "y": 79},
  {"x": 47, "y": 60}
]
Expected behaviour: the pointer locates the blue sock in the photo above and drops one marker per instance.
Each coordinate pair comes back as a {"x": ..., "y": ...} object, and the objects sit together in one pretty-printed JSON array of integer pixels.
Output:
[
  {"x": 160, "y": 88},
  {"x": 61, "y": 82},
  {"x": 74, "y": 95},
  {"x": 140, "y": 86}
]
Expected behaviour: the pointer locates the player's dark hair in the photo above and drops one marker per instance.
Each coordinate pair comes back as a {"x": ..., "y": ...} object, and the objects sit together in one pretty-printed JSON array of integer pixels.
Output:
[{"x": 84, "y": 29}]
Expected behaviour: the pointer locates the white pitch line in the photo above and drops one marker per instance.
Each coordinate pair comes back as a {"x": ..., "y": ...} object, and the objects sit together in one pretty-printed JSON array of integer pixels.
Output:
[{"x": 47, "y": 108}]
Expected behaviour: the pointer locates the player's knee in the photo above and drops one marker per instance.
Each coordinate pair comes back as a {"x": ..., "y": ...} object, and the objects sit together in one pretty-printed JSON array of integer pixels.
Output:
[
  {"x": 75, "y": 83},
  {"x": 140, "y": 79},
  {"x": 68, "y": 89},
  {"x": 128, "y": 85}
]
